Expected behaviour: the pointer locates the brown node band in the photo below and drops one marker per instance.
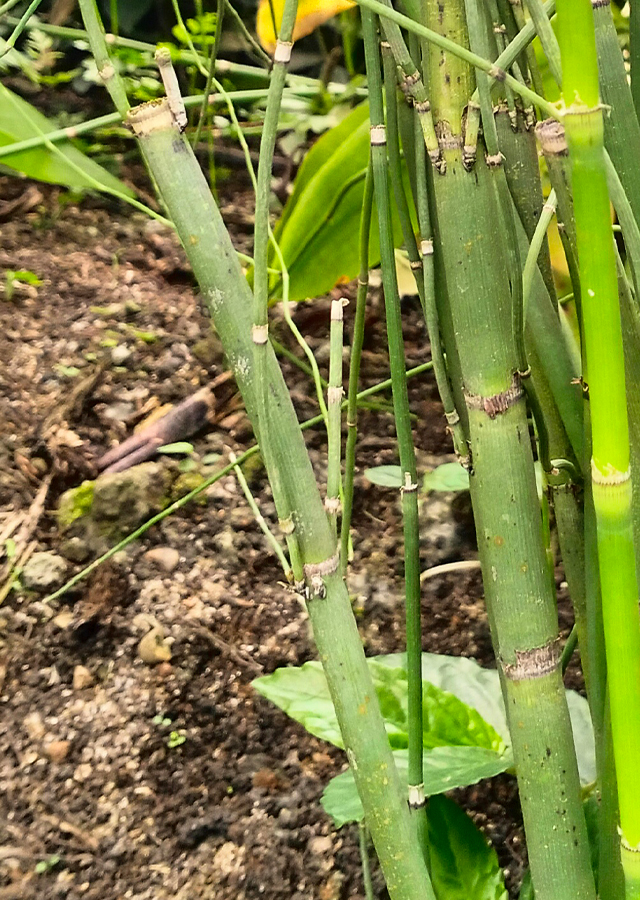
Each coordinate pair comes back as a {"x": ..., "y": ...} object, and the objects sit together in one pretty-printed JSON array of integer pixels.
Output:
[
  {"x": 498, "y": 403},
  {"x": 534, "y": 663},
  {"x": 552, "y": 138}
]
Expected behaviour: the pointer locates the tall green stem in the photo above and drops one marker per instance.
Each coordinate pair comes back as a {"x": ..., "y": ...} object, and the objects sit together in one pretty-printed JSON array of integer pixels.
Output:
[
  {"x": 477, "y": 324},
  {"x": 409, "y": 489},
  {"x": 609, "y": 426},
  {"x": 357, "y": 341}
]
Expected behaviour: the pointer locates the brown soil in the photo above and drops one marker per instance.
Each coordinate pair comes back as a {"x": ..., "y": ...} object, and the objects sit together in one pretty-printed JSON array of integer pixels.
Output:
[{"x": 85, "y": 773}]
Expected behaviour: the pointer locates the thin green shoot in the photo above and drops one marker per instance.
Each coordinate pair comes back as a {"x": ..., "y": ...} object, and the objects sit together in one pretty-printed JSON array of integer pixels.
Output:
[{"x": 260, "y": 519}]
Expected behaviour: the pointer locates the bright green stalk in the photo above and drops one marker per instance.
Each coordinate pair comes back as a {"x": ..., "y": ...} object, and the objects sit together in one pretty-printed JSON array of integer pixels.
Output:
[
  {"x": 334, "y": 417},
  {"x": 409, "y": 489},
  {"x": 477, "y": 322},
  {"x": 354, "y": 367},
  {"x": 609, "y": 427}
]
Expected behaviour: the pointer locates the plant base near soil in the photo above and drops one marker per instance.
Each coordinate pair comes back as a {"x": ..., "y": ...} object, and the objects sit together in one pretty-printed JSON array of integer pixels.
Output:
[{"x": 95, "y": 775}]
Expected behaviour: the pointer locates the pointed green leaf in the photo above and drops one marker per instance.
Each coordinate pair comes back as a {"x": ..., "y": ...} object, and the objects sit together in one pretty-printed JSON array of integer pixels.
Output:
[
  {"x": 447, "y": 477},
  {"x": 385, "y": 476},
  {"x": 19, "y": 121},
  {"x": 464, "y": 866}
]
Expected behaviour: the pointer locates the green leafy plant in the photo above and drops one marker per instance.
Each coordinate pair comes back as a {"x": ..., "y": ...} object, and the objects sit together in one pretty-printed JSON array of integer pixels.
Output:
[{"x": 22, "y": 276}]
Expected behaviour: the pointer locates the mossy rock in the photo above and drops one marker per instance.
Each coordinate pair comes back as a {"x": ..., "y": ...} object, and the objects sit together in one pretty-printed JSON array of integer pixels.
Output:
[
  {"x": 106, "y": 510},
  {"x": 74, "y": 504}
]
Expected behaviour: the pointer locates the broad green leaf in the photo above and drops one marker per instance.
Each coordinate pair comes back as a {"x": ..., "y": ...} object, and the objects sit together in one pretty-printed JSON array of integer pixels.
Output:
[
  {"x": 318, "y": 230},
  {"x": 445, "y": 768},
  {"x": 385, "y": 476},
  {"x": 447, "y": 721},
  {"x": 447, "y": 477},
  {"x": 463, "y": 865},
  {"x": 302, "y": 693},
  {"x": 19, "y": 121},
  {"x": 480, "y": 689},
  {"x": 477, "y": 687}
]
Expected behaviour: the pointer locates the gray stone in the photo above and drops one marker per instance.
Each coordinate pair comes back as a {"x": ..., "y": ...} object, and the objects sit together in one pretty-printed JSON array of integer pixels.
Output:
[
  {"x": 44, "y": 572},
  {"x": 166, "y": 558}
]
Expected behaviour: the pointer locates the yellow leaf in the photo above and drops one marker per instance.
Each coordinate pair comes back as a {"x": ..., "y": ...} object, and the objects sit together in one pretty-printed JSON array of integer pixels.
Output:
[{"x": 311, "y": 13}]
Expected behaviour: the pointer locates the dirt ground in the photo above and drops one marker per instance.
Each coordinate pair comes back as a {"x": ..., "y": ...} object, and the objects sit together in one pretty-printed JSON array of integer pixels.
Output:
[{"x": 91, "y": 784}]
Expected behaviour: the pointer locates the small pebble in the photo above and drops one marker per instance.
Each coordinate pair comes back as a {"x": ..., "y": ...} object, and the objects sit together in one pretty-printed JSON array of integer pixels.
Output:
[
  {"x": 82, "y": 678},
  {"x": 153, "y": 648},
  {"x": 57, "y": 751},
  {"x": 44, "y": 572},
  {"x": 166, "y": 558}
]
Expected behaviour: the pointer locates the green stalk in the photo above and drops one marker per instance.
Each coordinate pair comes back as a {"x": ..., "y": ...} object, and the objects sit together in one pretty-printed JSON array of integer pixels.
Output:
[
  {"x": 621, "y": 127},
  {"x": 228, "y": 298},
  {"x": 334, "y": 414},
  {"x": 10, "y": 43},
  {"x": 609, "y": 426},
  {"x": 634, "y": 55},
  {"x": 226, "y": 293},
  {"x": 260, "y": 326},
  {"x": 354, "y": 367},
  {"x": 547, "y": 37},
  {"x": 409, "y": 489},
  {"x": 477, "y": 322}
]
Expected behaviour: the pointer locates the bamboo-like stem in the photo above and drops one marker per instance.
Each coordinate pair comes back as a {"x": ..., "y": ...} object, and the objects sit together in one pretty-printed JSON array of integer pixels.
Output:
[
  {"x": 260, "y": 325},
  {"x": 538, "y": 238},
  {"x": 412, "y": 86},
  {"x": 365, "y": 862},
  {"x": 432, "y": 320},
  {"x": 409, "y": 489},
  {"x": 107, "y": 70},
  {"x": 477, "y": 322},
  {"x": 228, "y": 298},
  {"x": 334, "y": 414},
  {"x": 220, "y": 8},
  {"x": 227, "y": 295},
  {"x": 609, "y": 426},
  {"x": 494, "y": 70},
  {"x": 395, "y": 169},
  {"x": 354, "y": 367}
]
